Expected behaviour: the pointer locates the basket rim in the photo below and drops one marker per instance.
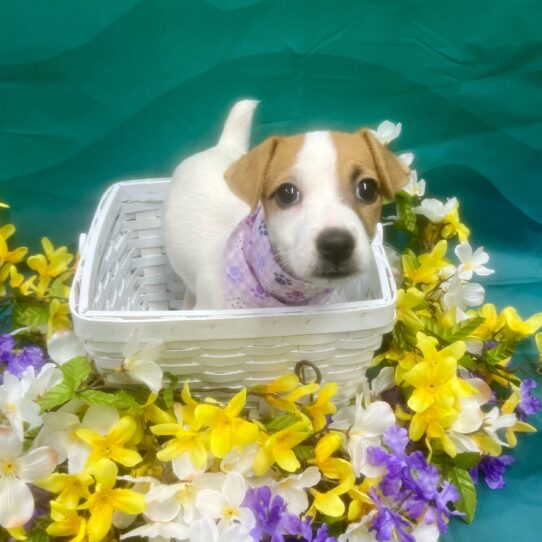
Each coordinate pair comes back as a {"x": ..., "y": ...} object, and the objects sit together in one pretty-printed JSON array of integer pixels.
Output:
[{"x": 82, "y": 284}]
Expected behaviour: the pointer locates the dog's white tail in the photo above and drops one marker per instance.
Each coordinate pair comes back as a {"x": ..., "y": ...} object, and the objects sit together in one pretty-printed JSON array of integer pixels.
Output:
[{"x": 236, "y": 130}]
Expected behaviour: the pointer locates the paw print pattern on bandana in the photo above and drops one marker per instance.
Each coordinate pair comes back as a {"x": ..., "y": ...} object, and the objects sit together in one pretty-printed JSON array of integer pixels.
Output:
[
  {"x": 282, "y": 279},
  {"x": 262, "y": 228},
  {"x": 258, "y": 292},
  {"x": 234, "y": 274},
  {"x": 296, "y": 295}
]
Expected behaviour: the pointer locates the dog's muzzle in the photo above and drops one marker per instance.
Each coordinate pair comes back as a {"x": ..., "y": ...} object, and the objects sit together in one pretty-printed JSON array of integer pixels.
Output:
[{"x": 335, "y": 247}]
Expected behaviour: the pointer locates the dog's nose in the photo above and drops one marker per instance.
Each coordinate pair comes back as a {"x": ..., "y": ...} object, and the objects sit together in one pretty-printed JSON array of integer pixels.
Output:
[{"x": 335, "y": 245}]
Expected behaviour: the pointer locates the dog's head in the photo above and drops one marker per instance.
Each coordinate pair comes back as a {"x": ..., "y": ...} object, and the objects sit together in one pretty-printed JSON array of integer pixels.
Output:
[{"x": 322, "y": 194}]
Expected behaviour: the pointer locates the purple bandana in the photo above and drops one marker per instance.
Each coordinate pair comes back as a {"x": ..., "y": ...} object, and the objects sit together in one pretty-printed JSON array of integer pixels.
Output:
[{"x": 253, "y": 276}]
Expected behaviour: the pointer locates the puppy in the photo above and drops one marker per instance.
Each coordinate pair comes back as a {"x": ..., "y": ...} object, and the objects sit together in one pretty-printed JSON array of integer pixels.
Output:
[{"x": 285, "y": 223}]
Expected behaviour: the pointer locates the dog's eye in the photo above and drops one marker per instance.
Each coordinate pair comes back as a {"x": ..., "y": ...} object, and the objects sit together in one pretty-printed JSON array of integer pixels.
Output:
[
  {"x": 367, "y": 190},
  {"x": 287, "y": 194}
]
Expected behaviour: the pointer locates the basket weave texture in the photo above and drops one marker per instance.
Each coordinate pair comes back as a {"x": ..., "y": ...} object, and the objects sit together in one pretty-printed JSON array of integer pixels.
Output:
[{"x": 124, "y": 283}]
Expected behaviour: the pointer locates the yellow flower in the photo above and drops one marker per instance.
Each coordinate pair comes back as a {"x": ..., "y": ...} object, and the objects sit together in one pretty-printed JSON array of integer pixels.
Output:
[
  {"x": 189, "y": 406},
  {"x": 52, "y": 264},
  {"x": 361, "y": 503},
  {"x": 406, "y": 302},
  {"x": 435, "y": 378},
  {"x": 509, "y": 407},
  {"x": 538, "y": 340},
  {"x": 70, "y": 487},
  {"x": 518, "y": 328},
  {"x": 433, "y": 422},
  {"x": 453, "y": 226},
  {"x": 66, "y": 522},
  {"x": 185, "y": 440},
  {"x": 288, "y": 403},
  {"x": 7, "y": 256},
  {"x": 323, "y": 406},
  {"x": 59, "y": 317},
  {"x": 277, "y": 448},
  {"x": 427, "y": 267},
  {"x": 492, "y": 324},
  {"x": 106, "y": 499},
  {"x": 328, "y": 503},
  {"x": 334, "y": 468},
  {"x": 112, "y": 445},
  {"x": 227, "y": 429},
  {"x": 282, "y": 384}
]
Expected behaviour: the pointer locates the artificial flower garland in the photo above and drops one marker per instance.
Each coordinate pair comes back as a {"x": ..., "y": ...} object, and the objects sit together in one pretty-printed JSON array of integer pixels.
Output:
[{"x": 81, "y": 460}]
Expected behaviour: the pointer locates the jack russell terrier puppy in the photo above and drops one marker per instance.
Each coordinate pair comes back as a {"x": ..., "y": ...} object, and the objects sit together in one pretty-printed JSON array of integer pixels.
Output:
[{"x": 282, "y": 224}]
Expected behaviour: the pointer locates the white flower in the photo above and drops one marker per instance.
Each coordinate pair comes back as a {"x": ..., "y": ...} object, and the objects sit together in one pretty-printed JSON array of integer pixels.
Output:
[
  {"x": 359, "y": 531},
  {"x": 435, "y": 210},
  {"x": 16, "y": 470},
  {"x": 160, "y": 531},
  {"x": 415, "y": 187},
  {"x": 493, "y": 421},
  {"x": 16, "y": 406},
  {"x": 470, "y": 417},
  {"x": 345, "y": 417},
  {"x": 37, "y": 386},
  {"x": 292, "y": 489},
  {"x": 369, "y": 426},
  {"x": 225, "y": 505},
  {"x": 462, "y": 295},
  {"x": 206, "y": 530},
  {"x": 426, "y": 533},
  {"x": 241, "y": 460},
  {"x": 387, "y": 131},
  {"x": 59, "y": 428},
  {"x": 407, "y": 158},
  {"x": 139, "y": 363},
  {"x": 63, "y": 346},
  {"x": 472, "y": 263}
]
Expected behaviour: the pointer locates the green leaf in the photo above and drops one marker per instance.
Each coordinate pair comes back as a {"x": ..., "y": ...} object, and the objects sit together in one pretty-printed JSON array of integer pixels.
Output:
[
  {"x": 468, "y": 362},
  {"x": 38, "y": 535},
  {"x": 462, "y": 330},
  {"x": 500, "y": 353},
  {"x": 75, "y": 372},
  {"x": 407, "y": 218},
  {"x": 304, "y": 452},
  {"x": 281, "y": 422},
  {"x": 121, "y": 400},
  {"x": 28, "y": 312},
  {"x": 168, "y": 394},
  {"x": 56, "y": 396},
  {"x": 463, "y": 481}
]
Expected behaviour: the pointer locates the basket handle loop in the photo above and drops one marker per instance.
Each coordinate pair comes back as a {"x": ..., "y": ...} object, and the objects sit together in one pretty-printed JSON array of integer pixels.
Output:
[{"x": 305, "y": 369}]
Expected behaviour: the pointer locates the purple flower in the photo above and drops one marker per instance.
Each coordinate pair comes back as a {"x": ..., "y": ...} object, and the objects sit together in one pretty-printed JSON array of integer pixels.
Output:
[
  {"x": 412, "y": 483},
  {"x": 302, "y": 530},
  {"x": 273, "y": 522},
  {"x": 388, "y": 524},
  {"x": 493, "y": 469},
  {"x": 29, "y": 356},
  {"x": 529, "y": 404},
  {"x": 267, "y": 511},
  {"x": 7, "y": 344}
]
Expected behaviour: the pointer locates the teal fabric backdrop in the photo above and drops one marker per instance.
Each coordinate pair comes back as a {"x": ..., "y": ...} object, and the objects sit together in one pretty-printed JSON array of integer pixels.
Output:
[{"x": 97, "y": 91}]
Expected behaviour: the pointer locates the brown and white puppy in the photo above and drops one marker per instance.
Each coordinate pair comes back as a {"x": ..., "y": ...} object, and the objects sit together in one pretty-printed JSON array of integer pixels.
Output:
[{"x": 321, "y": 191}]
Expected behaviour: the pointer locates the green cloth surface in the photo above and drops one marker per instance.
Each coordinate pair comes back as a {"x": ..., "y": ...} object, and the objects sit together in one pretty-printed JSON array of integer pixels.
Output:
[{"x": 93, "y": 92}]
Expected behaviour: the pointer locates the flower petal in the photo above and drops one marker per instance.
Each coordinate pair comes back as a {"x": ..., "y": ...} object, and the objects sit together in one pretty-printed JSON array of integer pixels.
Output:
[
  {"x": 63, "y": 346},
  {"x": 37, "y": 464},
  {"x": 234, "y": 488},
  {"x": 147, "y": 372},
  {"x": 16, "y": 502},
  {"x": 10, "y": 444},
  {"x": 210, "y": 503}
]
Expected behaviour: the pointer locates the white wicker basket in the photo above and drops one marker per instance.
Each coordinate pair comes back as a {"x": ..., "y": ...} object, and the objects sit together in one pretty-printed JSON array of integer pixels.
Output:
[{"x": 124, "y": 281}]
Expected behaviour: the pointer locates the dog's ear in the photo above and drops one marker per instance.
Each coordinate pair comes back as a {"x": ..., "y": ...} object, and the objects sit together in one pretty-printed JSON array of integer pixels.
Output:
[
  {"x": 246, "y": 176},
  {"x": 391, "y": 171}
]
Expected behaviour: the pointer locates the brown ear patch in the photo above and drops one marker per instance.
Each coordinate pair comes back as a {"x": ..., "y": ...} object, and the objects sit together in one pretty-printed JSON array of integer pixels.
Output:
[
  {"x": 392, "y": 173},
  {"x": 246, "y": 177}
]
